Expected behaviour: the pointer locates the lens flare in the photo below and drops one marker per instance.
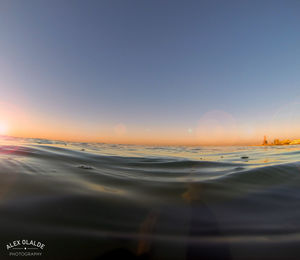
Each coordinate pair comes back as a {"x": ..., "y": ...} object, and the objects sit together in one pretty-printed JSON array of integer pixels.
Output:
[
  {"x": 120, "y": 129},
  {"x": 217, "y": 127}
]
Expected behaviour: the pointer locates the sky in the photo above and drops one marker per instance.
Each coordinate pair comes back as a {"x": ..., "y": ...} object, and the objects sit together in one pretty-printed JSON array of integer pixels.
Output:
[{"x": 153, "y": 72}]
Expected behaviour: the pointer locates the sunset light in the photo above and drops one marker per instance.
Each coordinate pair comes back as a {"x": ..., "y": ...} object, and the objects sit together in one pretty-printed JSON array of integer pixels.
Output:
[
  {"x": 160, "y": 129},
  {"x": 3, "y": 128}
]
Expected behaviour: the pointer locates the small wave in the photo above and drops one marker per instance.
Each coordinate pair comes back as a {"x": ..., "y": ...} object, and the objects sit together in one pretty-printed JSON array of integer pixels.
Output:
[{"x": 85, "y": 167}]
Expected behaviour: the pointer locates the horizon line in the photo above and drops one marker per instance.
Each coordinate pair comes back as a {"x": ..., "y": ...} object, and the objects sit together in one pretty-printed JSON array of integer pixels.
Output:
[{"x": 131, "y": 143}]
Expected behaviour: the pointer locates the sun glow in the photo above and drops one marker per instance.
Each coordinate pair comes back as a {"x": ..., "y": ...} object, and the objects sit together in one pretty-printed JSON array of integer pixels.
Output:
[{"x": 3, "y": 128}]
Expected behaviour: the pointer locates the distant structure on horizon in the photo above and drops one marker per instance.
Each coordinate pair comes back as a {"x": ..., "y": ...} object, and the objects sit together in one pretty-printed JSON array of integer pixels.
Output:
[
  {"x": 278, "y": 142},
  {"x": 265, "y": 142}
]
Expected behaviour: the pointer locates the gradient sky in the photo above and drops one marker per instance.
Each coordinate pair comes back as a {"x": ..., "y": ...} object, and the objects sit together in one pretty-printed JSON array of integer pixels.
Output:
[{"x": 184, "y": 72}]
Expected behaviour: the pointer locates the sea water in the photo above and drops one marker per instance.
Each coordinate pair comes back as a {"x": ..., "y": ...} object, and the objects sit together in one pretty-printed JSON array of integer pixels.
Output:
[{"x": 105, "y": 201}]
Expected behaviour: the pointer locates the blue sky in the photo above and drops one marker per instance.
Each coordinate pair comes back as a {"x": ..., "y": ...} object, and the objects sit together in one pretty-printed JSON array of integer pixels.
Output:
[{"x": 158, "y": 65}]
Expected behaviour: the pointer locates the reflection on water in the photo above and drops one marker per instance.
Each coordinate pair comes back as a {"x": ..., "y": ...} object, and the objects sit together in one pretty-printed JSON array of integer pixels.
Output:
[{"x": 101, "y": 201}]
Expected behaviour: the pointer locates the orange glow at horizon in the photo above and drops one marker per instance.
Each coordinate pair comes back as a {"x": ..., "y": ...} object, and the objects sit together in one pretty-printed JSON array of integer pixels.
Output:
[
  {"x": 214, "y": 127},
  {"x": 220, "y": 136}
]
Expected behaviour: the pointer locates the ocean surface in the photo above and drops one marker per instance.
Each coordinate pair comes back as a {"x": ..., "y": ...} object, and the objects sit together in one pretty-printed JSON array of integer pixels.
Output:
[{"x": 106, "y": 201}]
